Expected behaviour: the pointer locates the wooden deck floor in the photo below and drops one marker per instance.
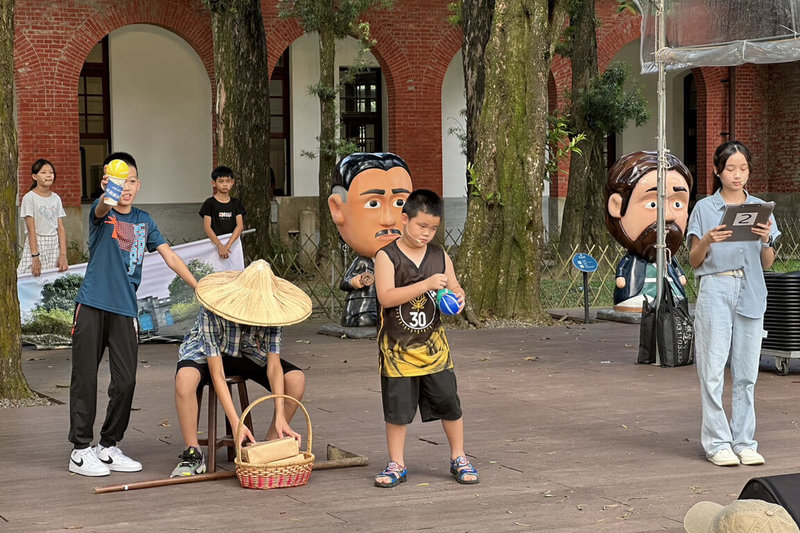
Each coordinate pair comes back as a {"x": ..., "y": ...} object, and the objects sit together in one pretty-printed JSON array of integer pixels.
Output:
[{"x": 567, "y": 433}]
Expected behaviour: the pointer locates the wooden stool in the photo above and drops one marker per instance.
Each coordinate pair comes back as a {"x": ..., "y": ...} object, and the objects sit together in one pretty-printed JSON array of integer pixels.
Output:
[{"x": 214, "y": 443}]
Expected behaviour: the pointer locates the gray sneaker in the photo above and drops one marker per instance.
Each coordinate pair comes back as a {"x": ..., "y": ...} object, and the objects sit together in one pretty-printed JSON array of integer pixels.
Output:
[{"x": 192, "y": 463}]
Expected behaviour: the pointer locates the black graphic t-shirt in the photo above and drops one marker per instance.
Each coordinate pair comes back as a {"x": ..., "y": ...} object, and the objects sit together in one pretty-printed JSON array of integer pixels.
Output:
[
  {"x": 411, "y": 338},
  {"x": 223, "y": 216}
]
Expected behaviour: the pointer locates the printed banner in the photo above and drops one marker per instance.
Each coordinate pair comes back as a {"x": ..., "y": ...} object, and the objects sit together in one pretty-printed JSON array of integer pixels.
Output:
[{"x": 166, "y": 304}]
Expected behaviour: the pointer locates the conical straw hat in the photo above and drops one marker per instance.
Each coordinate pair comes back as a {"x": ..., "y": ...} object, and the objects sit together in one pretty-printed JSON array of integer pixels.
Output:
[{"x": 254, "y": 296}]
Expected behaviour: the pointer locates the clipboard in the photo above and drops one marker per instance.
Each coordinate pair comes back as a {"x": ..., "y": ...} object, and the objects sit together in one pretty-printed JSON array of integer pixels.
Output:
[{"x": 740, "y": 218}]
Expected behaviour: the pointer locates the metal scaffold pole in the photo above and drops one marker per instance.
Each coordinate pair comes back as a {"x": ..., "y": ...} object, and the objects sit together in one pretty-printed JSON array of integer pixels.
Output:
[{"x": 661, "y": 247}]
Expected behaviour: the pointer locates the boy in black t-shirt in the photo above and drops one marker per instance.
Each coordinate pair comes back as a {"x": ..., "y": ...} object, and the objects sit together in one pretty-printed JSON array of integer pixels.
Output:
[{"x": 222, "y": 214}]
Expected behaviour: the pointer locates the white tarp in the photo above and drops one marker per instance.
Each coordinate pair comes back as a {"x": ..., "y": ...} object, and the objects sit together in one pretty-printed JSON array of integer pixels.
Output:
[
  {"x": 721, "y": 32},
  {"x": 156, "y": 275}
]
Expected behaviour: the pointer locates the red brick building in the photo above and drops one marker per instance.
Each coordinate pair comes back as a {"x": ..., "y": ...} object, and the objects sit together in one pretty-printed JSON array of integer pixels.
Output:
[{"x": 72, "y": 106}]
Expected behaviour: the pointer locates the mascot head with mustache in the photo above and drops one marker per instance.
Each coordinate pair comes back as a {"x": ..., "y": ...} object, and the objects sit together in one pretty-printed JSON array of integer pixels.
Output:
[
  {"x": 367, "y": 198},
  {"x": 631, "y": 202}
]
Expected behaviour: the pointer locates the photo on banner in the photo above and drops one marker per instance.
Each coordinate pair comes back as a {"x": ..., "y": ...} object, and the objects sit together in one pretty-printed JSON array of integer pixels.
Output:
[{"x": 167, "y": 306}]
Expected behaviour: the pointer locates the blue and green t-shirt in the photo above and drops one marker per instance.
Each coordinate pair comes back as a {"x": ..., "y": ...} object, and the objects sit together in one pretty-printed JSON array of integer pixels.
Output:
[{"x": 117, "y": 244}]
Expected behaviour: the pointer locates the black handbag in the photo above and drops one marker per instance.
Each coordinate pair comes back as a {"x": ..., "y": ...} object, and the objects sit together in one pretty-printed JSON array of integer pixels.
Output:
[
  {"x": 647, "y": 334},
  {"x": 672, "y": 332},
  {"x": 783, "y": 490},
  {"x": 675, "y": 331}
]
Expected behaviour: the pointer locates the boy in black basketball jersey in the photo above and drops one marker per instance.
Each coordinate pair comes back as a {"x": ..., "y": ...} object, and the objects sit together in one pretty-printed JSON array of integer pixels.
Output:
[{"x": 416, "y": 367}]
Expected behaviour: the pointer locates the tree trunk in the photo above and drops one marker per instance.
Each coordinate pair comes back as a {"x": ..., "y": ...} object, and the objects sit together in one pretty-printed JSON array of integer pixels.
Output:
[
  {"x": 477, "y": 17},
  {"x": 328, "y": 250},
  {"x": 12, "y": 383},
  {"x": 500, "y": 259},
  {"x": 242, "y": 112},
  {"x": 583, "y": 220}
]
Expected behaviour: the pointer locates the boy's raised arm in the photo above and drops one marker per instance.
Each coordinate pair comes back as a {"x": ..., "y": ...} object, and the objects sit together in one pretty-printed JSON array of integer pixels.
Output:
[{"x": 177, "y": 265}]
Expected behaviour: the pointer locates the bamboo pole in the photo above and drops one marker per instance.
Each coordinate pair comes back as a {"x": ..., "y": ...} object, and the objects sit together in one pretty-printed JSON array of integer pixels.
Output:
[
  {"x": 163, "y": 482},
  {"x": 322, "y": 465}
]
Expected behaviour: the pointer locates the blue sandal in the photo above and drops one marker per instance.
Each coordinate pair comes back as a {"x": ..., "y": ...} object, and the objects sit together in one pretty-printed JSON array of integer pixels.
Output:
[
  {"x": 461, "y": 467},
  {"x": 398, "y": 474}
]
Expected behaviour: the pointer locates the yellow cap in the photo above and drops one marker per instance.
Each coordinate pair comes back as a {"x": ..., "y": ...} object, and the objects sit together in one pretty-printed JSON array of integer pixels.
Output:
[{"x": 118, "y": 169}]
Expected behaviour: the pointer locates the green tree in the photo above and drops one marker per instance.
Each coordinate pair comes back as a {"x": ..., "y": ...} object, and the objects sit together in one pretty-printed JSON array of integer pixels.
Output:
[
  {"x": 12, "y": 382},
  {"x": 601, "y": 106},
  {"x": 61, "y": 293},
  {"x": 242, "y": 137},
  {"x": 179, "y": 291},
  {"x": 332, "y": 21},
  {"x": 508, "y": 48}
]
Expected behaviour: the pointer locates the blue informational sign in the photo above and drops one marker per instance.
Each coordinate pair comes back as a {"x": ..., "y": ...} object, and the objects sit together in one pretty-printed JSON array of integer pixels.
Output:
[
  {"x": 584, "y": 262},
  {"x": 146, "y": 322}
]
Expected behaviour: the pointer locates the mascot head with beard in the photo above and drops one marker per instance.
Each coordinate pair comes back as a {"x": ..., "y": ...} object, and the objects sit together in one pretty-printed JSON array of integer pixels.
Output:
[{"x": 631, "y": 202}]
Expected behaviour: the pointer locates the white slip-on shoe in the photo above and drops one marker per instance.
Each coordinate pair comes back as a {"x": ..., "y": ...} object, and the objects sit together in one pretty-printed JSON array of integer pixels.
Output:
[
  {"x": 117, "y": 461},
  {"x": 724, "y": 458},
  {"x": 86, "y": 463},
  {"x": 749, "y": 456}
]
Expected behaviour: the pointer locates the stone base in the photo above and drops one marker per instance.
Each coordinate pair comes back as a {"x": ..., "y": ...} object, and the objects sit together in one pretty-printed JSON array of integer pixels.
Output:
[
  {"x": 619, "y": 316},
  {"x": 335, "y": 330}
]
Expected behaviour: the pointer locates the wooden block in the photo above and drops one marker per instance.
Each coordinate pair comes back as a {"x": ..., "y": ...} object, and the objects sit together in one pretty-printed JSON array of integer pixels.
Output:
[
  {"x": 288, "y": 461},
  {"x": 271, "y": 450}
]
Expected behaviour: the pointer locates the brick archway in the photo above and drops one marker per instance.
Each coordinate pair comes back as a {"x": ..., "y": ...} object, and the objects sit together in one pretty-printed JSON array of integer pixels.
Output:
[
  {"x": 279, "y": 38},
  {"x": 712, "y": 118},
  {"x": 48, "y": 88},
  {"x": 396, "y": 67}
]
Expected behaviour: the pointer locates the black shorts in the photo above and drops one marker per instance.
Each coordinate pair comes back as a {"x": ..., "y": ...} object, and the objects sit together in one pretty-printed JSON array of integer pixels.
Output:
[
  {"x": 436, "y": 395},
  {"x": 237, "y": 366}
]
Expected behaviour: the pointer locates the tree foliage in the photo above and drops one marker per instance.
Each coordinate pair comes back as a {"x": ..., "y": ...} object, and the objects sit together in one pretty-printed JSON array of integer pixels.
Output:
[
  {"x": 12, "y": 382},
  {"x": 600, "y": 106},
  {"x": 561, "y": 141},
  {"x": 332, "y": 21},
  {"x": 179, "y": 290},
  {"x": 341, "y": 17},
  {"x": 608, "y": 106},
  {"x": 60, "y": 293}
]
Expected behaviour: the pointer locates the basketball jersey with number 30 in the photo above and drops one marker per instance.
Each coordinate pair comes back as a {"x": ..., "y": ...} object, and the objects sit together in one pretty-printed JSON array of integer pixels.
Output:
[{"x": 411, "y": 338}]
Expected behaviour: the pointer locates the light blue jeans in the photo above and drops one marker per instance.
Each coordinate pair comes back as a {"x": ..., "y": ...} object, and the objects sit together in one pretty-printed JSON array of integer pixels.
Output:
[{"x": 720, "y": 332}]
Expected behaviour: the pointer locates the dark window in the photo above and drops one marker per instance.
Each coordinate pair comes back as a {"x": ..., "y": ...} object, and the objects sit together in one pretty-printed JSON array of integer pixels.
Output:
[
  {"x": 280, "y": 162},
  {"x": 360, "y": 107},
  {"x": 690, "y": 130},
  {"x": 94, "y": 119}
]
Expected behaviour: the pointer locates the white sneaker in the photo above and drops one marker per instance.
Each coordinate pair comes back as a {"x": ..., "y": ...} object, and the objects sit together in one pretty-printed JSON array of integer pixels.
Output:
[
  {"x": 724, "y": 458},
  {"x": 749, "y": 456},
  {"x": 86, "y": 463},
  {"x": 117, "y": 461}
]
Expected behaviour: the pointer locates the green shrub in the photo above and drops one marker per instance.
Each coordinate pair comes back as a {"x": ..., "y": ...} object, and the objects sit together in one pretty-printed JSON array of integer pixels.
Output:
[
  {"x": 179, "y": 290},
  {"x": 185, "y": 310},
  {"x": 61, "y": 293},
  {"x": 53, "y": 321}
]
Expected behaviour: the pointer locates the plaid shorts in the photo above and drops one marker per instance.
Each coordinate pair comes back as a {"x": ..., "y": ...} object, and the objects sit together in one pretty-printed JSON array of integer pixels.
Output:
[
  {"x": 48, "y": 254},
  {"x": 237, "y": 366}
]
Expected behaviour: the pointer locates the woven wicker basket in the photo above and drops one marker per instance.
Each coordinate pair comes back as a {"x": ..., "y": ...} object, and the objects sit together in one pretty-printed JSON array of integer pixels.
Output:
[{"x": 266, "y": 476}]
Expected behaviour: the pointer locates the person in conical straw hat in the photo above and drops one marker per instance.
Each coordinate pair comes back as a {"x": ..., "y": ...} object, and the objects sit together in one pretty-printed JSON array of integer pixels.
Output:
[{"x": 238, "y": 332}]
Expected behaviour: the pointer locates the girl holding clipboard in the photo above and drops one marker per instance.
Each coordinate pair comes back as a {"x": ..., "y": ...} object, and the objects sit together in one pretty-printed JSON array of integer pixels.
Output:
[{"x": 729, "y": 313}]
